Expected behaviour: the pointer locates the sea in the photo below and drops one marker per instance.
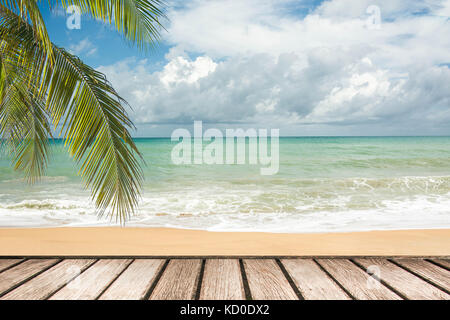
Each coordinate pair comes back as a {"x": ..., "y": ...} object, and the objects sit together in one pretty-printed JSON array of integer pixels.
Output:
[{"x": 323, "y": 184}]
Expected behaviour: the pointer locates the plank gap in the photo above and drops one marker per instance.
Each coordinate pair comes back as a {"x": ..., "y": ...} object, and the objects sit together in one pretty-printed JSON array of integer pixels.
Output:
[
  {"x": 419, "y": 276},
  {"x": 13, "y": 265},
  {"x": 384, "y": 283},
  {"x": 248, "y": 293},
  {"x": 113, "y": 279},
  {"x": 289, "y": 279},
  {"x": 267, "y": 281},
  {"x": 89, "y": 284},
  {"x": 200, "y": 280},
  {"x": 438, "y": 263},
  {"x": 30, "y": 277},
  {"x": 178, "y": 281},
  {"x": 335, "y": 280},
  {"x": 155, "y": 282},
  {"x": 312, "y": 282},
  {"x": 45, "y": 284},
  {"x": 60, "y": 288}
]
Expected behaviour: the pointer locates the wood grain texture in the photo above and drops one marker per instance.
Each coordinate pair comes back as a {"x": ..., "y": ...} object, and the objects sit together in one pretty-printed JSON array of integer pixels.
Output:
[
  {"x": 334, "y": 278},
  {"x": 443, "y": 263},
  {"x": 357, "y": 282},
  {"x": 267, "y": 281},
  {"x": 91, "y": 283},
  {"x": 6, "y": 263},
  {"x": 45, "y": 284},
  {"x": 179, "y": 280},
  {"x": 222, "y": 280},
  {"x": 23, "y": 271},
  {"x": 427, "y": 270},
  {"x": 312, "y": 282},
  {"x": 135, "y": 282},
  {"x": 403, "y": 281}
]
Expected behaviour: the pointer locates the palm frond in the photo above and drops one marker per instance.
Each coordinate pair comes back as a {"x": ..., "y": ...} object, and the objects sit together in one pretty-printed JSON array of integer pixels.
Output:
[
  {"x": 41, "y": 83},
  {"x": 95, "y": 129},
  {"x": 24, "y": 124},
  {"x": 138, "y": 20},
  {"x": 82, "y": 104},
  {"x": 29, "y": 13}
]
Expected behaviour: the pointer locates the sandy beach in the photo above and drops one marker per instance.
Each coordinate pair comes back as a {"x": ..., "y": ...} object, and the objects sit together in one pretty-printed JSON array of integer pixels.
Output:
[{"x": 116, "y": 241}]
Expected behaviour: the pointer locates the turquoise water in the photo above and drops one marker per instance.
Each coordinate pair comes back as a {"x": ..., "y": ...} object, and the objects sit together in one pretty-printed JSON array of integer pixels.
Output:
[{"x": 324, "y": 184}]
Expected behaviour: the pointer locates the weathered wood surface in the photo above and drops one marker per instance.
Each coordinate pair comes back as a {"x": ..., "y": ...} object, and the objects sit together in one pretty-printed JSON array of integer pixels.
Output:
[
  {"x": 7, "y": 263},
  {"x": 135, "y": 282},
  {"x": 91, "y": 283},
  {"x": 266, "y": 280},
  {"x": 443, "y": 263},
  {"x": 312, "y": 282},
  {"x": 48, "y": 282},
  {"x": 428, "y": 271},
  {"x": 224, "y": 278},
  {"x": 404, "y": 282},
  {"x": 13, "y": 277},
  {"x": 179, "y": 281},
  {"x": 358, "y": 283}
]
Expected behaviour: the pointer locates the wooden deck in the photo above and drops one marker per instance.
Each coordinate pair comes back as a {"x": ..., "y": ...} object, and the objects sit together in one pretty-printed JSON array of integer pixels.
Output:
[{"x": 224, "y": 278}]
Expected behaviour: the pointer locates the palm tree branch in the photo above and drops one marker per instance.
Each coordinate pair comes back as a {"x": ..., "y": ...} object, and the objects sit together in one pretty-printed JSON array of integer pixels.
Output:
[
  {"x": 24, "y": 122},
  {"x": 29, "y": 13},
  {"x": 138, "y": 20},
  {"x": 94, "y": 122}
]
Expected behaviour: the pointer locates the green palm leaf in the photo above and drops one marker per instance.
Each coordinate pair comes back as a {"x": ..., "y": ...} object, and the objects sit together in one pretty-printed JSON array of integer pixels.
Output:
[
  {"x": 138, "y": 20},
  {"x": 42, "y": 84},
  {"x": 23, "y": 121}
]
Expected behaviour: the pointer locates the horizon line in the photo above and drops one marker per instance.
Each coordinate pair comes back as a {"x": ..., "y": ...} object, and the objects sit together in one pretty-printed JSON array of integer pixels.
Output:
[{"x": 312, "y": 136}]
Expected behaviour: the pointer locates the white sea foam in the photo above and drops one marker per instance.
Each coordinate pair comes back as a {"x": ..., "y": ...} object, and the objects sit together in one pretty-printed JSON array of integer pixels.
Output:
[{"x": 355, "y": 204}]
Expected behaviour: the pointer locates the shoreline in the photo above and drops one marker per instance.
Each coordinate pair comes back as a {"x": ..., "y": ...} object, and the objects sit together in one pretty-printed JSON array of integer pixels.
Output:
[{"x": 138, "y": 241}]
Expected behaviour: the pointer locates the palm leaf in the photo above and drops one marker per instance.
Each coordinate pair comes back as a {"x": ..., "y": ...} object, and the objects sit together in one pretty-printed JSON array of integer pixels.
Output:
[
  {"x": 95, "y": 128},
  {"x": 138, "y": 20},
  {"x": 37, "y": 88},
  {"x": 29, "y": 12},
  {"x": 24, "y": 122}
]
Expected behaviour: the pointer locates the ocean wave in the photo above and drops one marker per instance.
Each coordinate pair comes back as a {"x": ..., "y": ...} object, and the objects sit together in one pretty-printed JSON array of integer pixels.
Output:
[
  {"x": 41, "y": 179},
  {"x": 280, "y": 205},
  {"x": 46, "y": 204}
]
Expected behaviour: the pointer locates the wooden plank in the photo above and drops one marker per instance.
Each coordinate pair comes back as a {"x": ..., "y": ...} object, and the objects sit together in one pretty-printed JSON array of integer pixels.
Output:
[
  {"x": 312, "y": 282},
  {"x": 403, "y": 281},
  {"x": 179, "y": 280},
  {"x": 6, "y": 263},
  {"x": 427, "y": 270},
  {"x": 135, "y": 282},
  {"x": 91, "y": 283},
  {"x": 222, "y": 280},
  {"x": 357, "y": 282},
  {"x": 16, "y": 275},
  {"x": 443, "y": 263},
  {"x": 45, "y": 284},
  {"x": 267, "y": 281}
]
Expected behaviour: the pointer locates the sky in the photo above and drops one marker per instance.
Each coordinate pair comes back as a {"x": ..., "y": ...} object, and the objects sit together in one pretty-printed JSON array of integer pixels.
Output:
[{"x": 308, "y": 68}]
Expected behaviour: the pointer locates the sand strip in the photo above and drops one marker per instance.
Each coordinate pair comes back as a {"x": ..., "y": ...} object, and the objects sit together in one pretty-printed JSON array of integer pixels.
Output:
[{"x": 175, "y": 242}]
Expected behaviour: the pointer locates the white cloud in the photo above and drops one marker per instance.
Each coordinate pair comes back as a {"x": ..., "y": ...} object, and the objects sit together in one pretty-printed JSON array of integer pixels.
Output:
[
  {"x": 258, "y": 62},
  {"x": 443, "y": 9},
  {"x": 182, "y": 70},
  {"x": 226, "y": 28},
  {"x": 83, "y": 48}
]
